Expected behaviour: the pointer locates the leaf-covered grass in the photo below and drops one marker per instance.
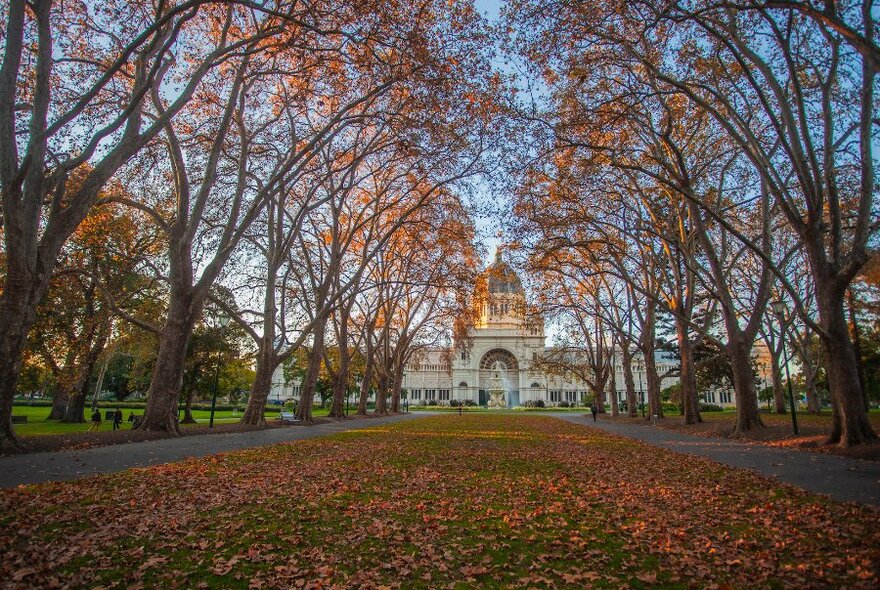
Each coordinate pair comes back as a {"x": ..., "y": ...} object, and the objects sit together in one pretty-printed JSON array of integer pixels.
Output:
[
  {"x": 483, "y": 500},
  {"x": 805, "y": 419},
  {"x": 777, "y": 431},
  {"x": 37, "y": 424}
]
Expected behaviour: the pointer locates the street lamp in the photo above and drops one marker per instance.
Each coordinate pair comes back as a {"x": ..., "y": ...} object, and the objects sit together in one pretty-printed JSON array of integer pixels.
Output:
[
  {"x": 223, "y": 321},
  {"x": 779, "y": 309}
]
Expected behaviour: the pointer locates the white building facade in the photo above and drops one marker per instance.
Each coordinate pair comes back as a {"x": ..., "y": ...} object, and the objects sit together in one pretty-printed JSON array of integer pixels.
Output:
[{"x": 506, "y": 350}]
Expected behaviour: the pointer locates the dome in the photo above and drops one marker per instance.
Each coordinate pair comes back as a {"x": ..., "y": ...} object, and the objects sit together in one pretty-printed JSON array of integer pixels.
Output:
[{"x": 501, "y": 278}]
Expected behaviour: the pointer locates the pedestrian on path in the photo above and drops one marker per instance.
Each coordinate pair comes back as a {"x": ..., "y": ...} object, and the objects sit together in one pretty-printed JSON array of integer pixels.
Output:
[
  {"x": 595, "y": 410},
  {"x": 96, "y": 420},
  {"x": 117, "y": 419}
]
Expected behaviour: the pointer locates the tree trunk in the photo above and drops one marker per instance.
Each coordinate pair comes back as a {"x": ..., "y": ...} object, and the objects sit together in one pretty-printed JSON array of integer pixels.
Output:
[
  {"x": 647, "y": 338},
  {"x": 340, "y": 388},
  {"x": 267, "y": 358},
  {"x": 76, "y": 404},
  {"x": 167, "y": 379},
  {"x": 689, "y": 401},
  {"x": 739, "y": 351},
  {"x": 856, "y": 336},
  {"x": 395, "y": 390},
  {"x": 850, "y": 425},
  {"x": 778, "y": 386},
  {"x": 340, "y": 380},
  {"x": 613, "y": 391},
  {"x": 364, "y": 393},
  {"x": 310, "y": 381},
  {"x": 78, "y": 387},
  {"x": 652, "y": 379},
  {"x": 631, "y": 404},
  {"x": 254, "y": 413},
  {"x": 813, "y": 405},
  {"x": 599, "y": 393},
  {"x": 21, "y": 292},
  {"x": 382, "y": 393},
  {"x": 190, "y": 390},
  {"x": 59, "y": 404}
]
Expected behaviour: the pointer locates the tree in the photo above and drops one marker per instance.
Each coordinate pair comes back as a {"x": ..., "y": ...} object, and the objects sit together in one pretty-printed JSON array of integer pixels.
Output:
[
  {"x": 49, "y": 131},
  {"x": 807, "y": 137}
]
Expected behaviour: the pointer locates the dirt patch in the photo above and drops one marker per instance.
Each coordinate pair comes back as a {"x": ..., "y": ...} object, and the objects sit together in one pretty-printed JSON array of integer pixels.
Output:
[
  {"x": 811, "y": 437},
  {"x": 87, "y": 440}
]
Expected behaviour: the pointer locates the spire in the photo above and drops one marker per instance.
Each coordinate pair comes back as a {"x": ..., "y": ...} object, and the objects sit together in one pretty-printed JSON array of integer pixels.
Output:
[{"x": 499, "y": 249}]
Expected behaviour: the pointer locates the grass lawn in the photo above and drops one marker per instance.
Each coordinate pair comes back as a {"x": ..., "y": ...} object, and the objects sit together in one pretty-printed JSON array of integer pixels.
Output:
[
  {"x": 473, "y": 501},
  {"x": 38, "y": 425},
  {"x": 517, "y": 410}
]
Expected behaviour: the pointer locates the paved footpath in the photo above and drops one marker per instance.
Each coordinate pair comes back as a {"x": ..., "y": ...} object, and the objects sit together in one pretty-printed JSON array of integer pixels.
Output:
[
  {"x": 65, "y": 465},
  {"x": 841, "y": 478}
]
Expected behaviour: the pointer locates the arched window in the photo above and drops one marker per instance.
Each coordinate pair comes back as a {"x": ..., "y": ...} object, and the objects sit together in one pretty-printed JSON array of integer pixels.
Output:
[
  {"x": 505, "y": 358},
  {"x": 536, "y": 386},
  {"x": 462, "y": 385}
]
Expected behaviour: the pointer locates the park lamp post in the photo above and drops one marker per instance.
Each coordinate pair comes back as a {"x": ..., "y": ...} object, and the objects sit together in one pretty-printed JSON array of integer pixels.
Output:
[
  {"x": 223, "y": 321},
  {"x": 779, "y": 309}
]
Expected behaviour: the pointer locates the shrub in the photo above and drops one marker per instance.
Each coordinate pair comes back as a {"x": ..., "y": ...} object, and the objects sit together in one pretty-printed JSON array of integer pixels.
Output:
[
  {"x": 711, "y": 408},
  {"x": 563, "y": 404},
  {"x": 469, "y": 402},
  {"x": 431, "y": 402},
  {"x": 534, "y": 403},
  {"x": 34, "y": 403},
  {"x": 669, "y": 408},
  {"x": 455, "y": 403}
]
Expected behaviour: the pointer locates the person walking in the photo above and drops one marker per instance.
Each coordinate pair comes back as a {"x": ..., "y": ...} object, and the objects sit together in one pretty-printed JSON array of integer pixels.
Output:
[
  {"x": 117, "y": 419},
  {"x": 96, "y": 420},
  {"x": 595, "y": 410}
]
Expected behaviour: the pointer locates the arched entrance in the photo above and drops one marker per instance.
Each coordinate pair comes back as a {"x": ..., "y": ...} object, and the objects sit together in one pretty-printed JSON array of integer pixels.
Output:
[{"x": 503, "y": 363}]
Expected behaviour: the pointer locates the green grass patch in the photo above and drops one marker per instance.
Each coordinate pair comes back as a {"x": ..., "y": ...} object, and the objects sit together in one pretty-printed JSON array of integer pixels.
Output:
[{"x": 38, "y": 425}]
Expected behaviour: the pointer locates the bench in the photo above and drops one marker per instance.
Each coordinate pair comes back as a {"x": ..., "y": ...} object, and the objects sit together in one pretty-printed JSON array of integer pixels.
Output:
[
  {"x": 288, "y": 417},
  {"x": 19, "y": 419}
]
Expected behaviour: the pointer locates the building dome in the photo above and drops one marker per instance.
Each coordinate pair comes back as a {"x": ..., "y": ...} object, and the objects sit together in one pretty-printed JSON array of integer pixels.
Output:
[{"x": 500, "y": 278}]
